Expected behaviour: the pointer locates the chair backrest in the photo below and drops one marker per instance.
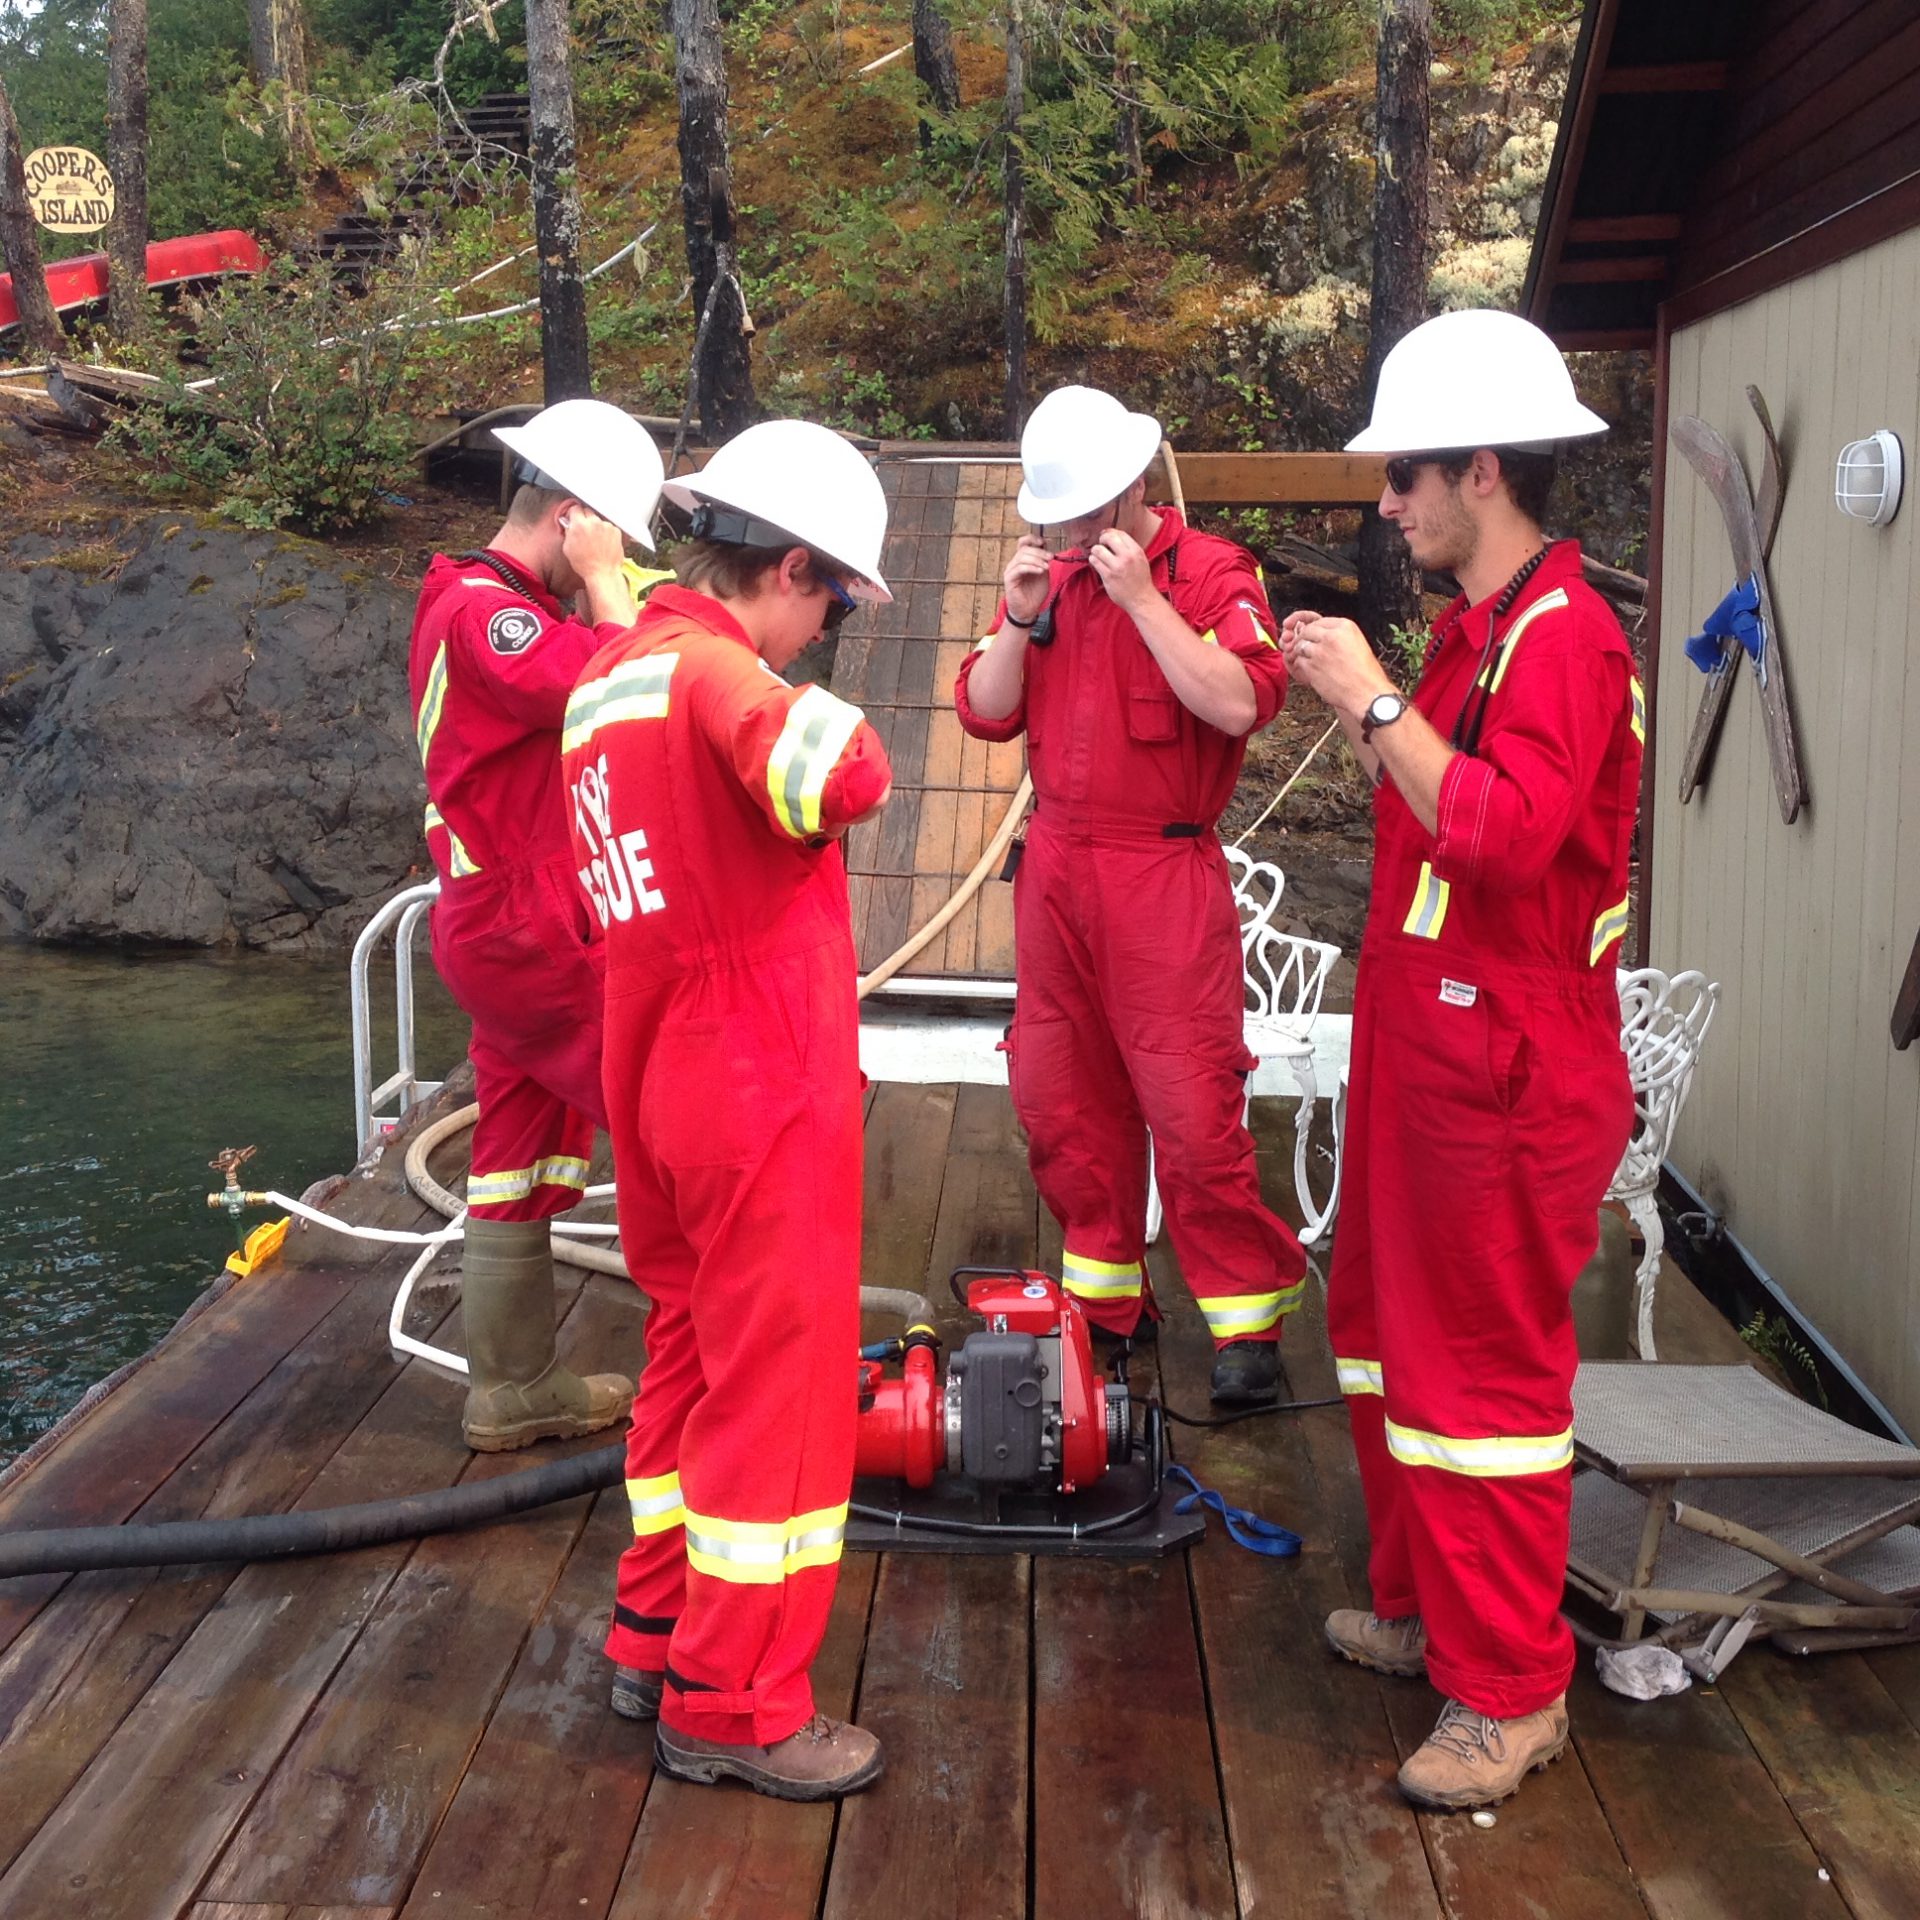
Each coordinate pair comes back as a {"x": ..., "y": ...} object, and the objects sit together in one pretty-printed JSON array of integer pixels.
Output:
[
  {"x": 1286, "y": 976},
  {"x": 1257, "y": 887},
  {"x": 1663, "y": 1024}
]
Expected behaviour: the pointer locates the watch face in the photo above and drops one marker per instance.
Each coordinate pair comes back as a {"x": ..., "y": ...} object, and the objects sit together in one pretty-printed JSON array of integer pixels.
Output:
[{"x": 1385, "y": 707}]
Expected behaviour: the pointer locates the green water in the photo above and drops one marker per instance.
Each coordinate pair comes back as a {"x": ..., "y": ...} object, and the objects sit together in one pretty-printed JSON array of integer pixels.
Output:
[{"x": 122, "y": 1077}]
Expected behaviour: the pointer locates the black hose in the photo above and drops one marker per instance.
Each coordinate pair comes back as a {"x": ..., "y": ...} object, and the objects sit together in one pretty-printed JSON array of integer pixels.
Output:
[{"x": 269, "y": 1536}]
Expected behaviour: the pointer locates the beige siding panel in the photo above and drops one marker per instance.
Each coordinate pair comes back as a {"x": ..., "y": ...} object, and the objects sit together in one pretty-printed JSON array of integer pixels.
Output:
[{"x": 1804, "y": 1125}]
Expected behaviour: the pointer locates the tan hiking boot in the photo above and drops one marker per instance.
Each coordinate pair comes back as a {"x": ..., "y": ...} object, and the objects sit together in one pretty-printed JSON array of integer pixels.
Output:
[
  {"x": 825, "y": 1759},
  {"x": 637, "y": 1694},
  {"x": 517, "y": 1391},
  {"x": 1472, "y": 1760},
  {"x": 1398, "y": 1647}
]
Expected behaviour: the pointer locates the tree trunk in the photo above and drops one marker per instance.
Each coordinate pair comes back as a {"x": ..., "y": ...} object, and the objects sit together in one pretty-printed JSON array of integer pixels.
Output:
[
  {"x": 1389, "y": 589},
  {"x": 1126, "y": 86},
  {"x": 556, "y": 204},
  {"x": 933, "y": 62},
  {"x": 127, "y": 308},
  {"x": 277, "y": 33},
  {"x": 20, "y": 242},
  {"x": 1016, "y": 226},
  {"x": 723, "y": 369}
]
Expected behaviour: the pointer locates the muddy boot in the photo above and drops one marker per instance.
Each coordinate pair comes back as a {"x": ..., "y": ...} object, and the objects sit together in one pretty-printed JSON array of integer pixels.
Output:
[
  {"x": 1472, "y": 1760},
  {"x": 1246, "y": 1373},
  {"x": 1398, "y": 1647},
  {"x": 517, "y": 1391},
  {"x": 636, "y": 1694},
  {"x": 825, "y": 1759}
]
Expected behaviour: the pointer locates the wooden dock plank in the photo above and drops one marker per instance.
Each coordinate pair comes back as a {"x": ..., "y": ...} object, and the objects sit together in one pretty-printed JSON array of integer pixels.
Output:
[
  {"x": 1126, "y": 1804},
  {"x": 944, "y": 1835},
  {"x": 353, "y": 1802},
  {"x": 557, "y": 1770},
  {"x": 225, "y": 1910},
  {"x": 905, "y": 1174},
  {"x": 724, "y": 1850},
  {"x": 988, "y": 1208}
]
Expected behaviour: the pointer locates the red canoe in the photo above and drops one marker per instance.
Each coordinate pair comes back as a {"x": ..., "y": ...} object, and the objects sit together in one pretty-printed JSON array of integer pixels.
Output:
[{"x": 81, "y": 281}]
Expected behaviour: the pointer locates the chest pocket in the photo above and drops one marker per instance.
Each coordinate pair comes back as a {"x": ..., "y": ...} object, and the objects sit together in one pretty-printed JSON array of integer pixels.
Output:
[{"x": 1153, "y": 712}]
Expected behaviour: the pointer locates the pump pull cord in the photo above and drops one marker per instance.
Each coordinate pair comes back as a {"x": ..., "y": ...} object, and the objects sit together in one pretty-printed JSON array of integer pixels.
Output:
[{"x": 1244, "y": 1528}]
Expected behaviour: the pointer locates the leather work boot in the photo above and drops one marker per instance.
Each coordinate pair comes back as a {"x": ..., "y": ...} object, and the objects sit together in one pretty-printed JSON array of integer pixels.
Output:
[
  {"x": 636, "y": 1695},
  {"x": 517, "y": 1390},
  {"x": 1398, "y": 1647},
  {"x": 825, "y": 1759},
  {"x": 1472, "y": 1760},
  {"x": 1246, "y": 1373}
]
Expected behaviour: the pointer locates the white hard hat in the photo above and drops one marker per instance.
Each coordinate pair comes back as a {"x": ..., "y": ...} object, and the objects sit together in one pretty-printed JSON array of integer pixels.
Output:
[
  {"x": 804, "y": 482},
  {"x": 599, "y": 455},
  {"x": 1081, "y": 449},
  {"x": 1476, "y": 378}
]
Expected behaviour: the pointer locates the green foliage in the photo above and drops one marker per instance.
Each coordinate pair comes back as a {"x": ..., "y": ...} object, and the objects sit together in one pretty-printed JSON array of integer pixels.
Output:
[
  {"x": 1404, "y": 652},
  {"x": 1773, "y": 1338},
  {"x": 403, "y": 36},
  {"x": 305, "y": 425}
]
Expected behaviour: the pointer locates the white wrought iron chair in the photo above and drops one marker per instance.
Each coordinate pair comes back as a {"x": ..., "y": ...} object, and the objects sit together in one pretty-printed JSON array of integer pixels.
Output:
[
  {"x": 1285, "y": 977},
  {"x": 1663, "y": 1024}
]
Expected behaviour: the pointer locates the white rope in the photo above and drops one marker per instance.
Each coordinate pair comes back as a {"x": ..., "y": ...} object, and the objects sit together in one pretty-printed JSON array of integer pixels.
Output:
[{"x": 1292, "y": 781}]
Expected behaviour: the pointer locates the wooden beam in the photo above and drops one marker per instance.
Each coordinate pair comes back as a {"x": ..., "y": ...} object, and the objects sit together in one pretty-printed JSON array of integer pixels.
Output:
[
  {"x": 1680, "y": 76},
  {"x": 1264, "y": 479},
  {"x": 1612, "y": 269},
  {"x": 1570, "y": 151},
  {"x": 1602, "y": 339},
  {"x": 1629, "y": 229}
]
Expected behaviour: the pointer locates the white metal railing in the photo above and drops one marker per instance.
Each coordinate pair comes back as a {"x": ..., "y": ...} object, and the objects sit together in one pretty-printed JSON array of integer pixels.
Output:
[{"x": 403, "y": 913}]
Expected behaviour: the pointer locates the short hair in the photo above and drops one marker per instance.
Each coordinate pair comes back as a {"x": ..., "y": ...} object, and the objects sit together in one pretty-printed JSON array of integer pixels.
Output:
[
  {"x": 730, "y": 571},
  {"x": 1529, "y": 475},
  {"x": 531, "y": 502}
]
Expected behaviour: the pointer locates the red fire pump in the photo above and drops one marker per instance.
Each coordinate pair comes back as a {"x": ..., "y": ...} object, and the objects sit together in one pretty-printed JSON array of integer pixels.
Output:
[{"x": 1023, "y": 1405}]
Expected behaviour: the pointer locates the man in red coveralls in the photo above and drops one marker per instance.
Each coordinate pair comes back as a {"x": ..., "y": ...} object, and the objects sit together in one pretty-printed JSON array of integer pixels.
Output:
[
  {"x": 493, "y": 659},
  {"x": 1136, "y": 661},
  {"x": 706, "y": 798},
  {"x": 1490, "y": 1101}
]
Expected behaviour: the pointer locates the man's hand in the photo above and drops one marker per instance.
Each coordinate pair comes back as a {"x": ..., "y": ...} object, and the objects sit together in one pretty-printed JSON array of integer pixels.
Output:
[
  {"x": 1024, "y": 583},
  {"x": 595, "y": 549},
  {"x": 1333, "y": 658},
  {"x": 1121, "y": 563}
]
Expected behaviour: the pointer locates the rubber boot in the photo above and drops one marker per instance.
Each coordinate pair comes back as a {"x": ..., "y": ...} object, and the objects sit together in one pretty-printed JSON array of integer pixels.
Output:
[{"x": 518, "y": 1392}]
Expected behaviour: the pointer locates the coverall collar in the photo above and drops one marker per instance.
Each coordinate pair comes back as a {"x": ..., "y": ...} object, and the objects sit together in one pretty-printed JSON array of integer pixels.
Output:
[
  {"x": 669, "y": 600},
  {"x": 1560, "y": 564}
]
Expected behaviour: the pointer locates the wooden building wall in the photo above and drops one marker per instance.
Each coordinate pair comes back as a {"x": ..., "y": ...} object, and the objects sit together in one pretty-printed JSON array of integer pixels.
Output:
[{"x": 1804, "y": 1125}]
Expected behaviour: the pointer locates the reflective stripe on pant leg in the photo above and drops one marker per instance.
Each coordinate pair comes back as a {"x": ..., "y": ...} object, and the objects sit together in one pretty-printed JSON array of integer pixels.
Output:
[
  {"x": 1358, "y": 1376},
  {"x": 518, "y": 1183},
  {"x": 1239, "y": 1316},
  {"x": 1486, "y": 1457},
  {"x": 759, "y": 1553},
  {"x": 1101, "y": 1280},
  {"x": 655, "y": 1504}
]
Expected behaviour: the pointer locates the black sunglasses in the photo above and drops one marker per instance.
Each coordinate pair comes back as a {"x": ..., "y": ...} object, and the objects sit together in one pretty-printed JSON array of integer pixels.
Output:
[
  {"x": 1404, "y": 469},
  {"x": 841, "y": 603}
]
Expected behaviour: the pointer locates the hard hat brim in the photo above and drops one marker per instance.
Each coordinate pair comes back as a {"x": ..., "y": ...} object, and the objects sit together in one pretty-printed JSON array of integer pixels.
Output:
[
  {"x": 620, "y": 513},
  {"x": 1574, "y": 422},
  {"x": 1132, "y": 455},
  {"x": 687, "y": 493}
]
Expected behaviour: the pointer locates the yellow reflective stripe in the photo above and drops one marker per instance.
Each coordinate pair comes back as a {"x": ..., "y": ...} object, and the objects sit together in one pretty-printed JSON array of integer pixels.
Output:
[
  {"x": 1547, "y": 603},
  {"x": 634, "y": 690},
  {"x": 516, "y": 1183},
  {"x": 1100, "y": 1279},
  {"x": 816, "y": 734},
  {"x": 427, "y": 721},
  {"x": 1263, "y": 636},
  {"x": 640, "y": 580},
  {"x": 1211, "y": 638},
  {"x": 1489, "y": 1459},
  {"x": 983, "y": 643},
  {"x": 655, "y": 1503},
  {"x": 1428, "y": 913},
  {"x": 1232, "y": 1316},
  {"x": 762, "y": 1553},
  {"x": 1611, "y": 926},
  {"x": 486, "y": 580},
  {"x": 1638, "y": 718},
  {"x": 1358, "y": 1376},
  {"x": 463, "y": 862}
]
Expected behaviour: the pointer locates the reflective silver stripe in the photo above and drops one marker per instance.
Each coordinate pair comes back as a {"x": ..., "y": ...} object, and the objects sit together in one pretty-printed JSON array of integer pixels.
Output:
[
  {"x": 1547, "y": 603},
  {"x": 1481, "y": 1459},
  {"x": 516, "y": 1183},
  {"x": 1638, "y": 719},
  {"x": 1428, "y": 913},
  {"x": 1100, "y": 1279},
  {"x": 1611, "y": 926},
  {"x": 764, "y": 1552},
  {"x": 427, "y": 723},
  {"x": 1229, "y": 1316},
  {"x": 655, "y": 1503},
  {"x": 1358, "y": 1376},
  {"x": 817, "y": 732},
  {"x": 634, "y": 690},
  {"x": 462, "y": 862}
]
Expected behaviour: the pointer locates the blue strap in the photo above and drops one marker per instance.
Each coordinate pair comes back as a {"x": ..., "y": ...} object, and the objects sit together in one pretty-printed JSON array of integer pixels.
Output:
[
  {"x": 1737, "y": 617},
  {"x": 1243, "y": 1528}
]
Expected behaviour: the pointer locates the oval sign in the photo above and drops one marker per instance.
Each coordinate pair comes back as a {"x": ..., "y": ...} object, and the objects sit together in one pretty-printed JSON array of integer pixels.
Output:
[{"x": 69, "y": 189}]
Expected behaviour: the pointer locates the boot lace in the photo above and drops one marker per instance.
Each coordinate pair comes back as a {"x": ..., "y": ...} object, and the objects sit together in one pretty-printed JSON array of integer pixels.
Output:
[{"x": 1468, "y": 1736}]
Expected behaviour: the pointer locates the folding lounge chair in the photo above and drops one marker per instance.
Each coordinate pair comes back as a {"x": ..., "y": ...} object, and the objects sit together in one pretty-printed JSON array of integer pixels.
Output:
[{"x": 1711, "y": 1507}]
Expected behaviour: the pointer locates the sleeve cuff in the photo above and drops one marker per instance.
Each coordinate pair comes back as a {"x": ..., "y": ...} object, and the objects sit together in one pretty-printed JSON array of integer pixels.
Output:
[{"x": 1466, "y": 790}]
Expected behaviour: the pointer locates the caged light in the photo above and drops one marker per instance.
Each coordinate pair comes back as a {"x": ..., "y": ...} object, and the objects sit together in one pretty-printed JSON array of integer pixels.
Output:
[{"x": 1866, "y": 483}]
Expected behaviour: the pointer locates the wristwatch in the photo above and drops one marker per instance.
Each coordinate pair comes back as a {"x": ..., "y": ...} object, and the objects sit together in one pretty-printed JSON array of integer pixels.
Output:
[{"x": 1382, "y": 711}]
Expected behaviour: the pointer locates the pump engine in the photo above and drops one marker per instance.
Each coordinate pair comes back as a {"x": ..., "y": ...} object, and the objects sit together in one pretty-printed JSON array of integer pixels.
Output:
[{"x": 1023, "y": 1405}]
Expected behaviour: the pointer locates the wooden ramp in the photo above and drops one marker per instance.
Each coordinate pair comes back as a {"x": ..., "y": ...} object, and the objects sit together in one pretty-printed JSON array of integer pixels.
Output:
[
  {"x": 421, "y": 1730},
  {"x": 951, "y": 526}
]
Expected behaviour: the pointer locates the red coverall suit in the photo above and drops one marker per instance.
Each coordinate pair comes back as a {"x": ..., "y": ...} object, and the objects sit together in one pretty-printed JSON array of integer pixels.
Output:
[
  {"x": 491, "y": 664},
  {"x": 700, "y": 790},
  {"x": 1490, "y": 1106},
  {"x": 1130, "y": 1014}
]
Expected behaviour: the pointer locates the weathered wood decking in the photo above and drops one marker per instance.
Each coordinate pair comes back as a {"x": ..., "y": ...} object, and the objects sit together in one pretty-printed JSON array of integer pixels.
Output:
[{"x": 421, "y": 1730}]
